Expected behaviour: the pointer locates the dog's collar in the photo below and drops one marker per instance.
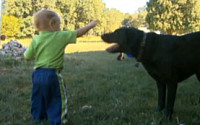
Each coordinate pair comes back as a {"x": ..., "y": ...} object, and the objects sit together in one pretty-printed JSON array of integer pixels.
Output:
[{"x": 141, "y": 49}]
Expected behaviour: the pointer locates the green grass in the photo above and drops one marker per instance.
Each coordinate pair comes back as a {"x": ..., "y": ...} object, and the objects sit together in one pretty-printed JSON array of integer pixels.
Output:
[
  {"x": 83, "y": 44},
  {"x": 119, "y": 93}
]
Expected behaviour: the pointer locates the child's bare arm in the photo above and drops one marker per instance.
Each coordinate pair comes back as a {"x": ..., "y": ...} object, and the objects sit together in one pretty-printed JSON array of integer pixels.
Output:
[{"x": 85, "y": 29}]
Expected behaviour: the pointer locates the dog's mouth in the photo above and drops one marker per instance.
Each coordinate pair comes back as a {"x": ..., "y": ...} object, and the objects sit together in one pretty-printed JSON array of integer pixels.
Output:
[
  {"x": 114, "y": 48},
  {"x": 111, "y": 38}
]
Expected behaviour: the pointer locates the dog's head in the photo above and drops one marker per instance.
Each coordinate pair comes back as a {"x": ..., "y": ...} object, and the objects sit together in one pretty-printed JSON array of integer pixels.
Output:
[{"x": 127, "y": 40}]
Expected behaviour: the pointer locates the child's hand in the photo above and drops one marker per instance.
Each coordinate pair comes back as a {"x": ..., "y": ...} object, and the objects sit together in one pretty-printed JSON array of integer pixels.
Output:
[
  {"x": 85, "y": 29},
  {"x": 94, "y": 23}
]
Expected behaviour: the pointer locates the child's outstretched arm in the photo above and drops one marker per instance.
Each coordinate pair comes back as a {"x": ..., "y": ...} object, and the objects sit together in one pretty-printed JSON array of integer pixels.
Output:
[{"x": 85, "y": 29}]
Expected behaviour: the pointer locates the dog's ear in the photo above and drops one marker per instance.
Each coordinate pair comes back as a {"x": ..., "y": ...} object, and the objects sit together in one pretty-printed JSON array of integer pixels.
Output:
[
  {"x": 121, "y": 35},
  {"x": 134, "y": 38},
  {"x": 134, "y": 35}
]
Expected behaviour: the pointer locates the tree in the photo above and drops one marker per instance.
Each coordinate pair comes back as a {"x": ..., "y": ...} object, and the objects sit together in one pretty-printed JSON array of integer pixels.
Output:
[
  {"x": 113, "y": 19},
  {"x": 40, "y": 4},
  {"x": 135, "y": 20},
  {"x": 67, "y": 8},
  {"x": 26, "y": 27},
  {"x": 18, "y": 8},
  {"x": 95, "y": 11},
  {"x": 173, "y": 16},
  {"x": 191, "y": 19},
  {"x": 22, "y": 10},
  {"x": 74, "y": 14}
]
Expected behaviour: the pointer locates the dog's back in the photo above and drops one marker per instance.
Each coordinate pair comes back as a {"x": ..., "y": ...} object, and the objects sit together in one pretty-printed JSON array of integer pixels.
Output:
[{"x": 170, "y": 57}]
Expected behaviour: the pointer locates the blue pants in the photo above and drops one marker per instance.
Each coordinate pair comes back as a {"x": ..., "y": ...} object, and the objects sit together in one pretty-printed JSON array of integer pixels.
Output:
[{"x": 46, "y": 96}]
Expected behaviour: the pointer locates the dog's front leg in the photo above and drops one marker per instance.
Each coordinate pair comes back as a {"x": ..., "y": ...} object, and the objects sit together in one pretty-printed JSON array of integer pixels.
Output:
[
  {"x": 171, "y": 95},
  {"x": 161, "y": 96}
]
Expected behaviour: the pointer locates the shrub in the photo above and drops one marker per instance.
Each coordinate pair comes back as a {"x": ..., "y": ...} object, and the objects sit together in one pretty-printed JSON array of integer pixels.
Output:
[{"x": 10, "y": 25}]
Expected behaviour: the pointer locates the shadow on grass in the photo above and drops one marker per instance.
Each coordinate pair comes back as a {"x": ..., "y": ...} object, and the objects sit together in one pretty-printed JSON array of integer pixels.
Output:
[{"x": 101, "y": 91}]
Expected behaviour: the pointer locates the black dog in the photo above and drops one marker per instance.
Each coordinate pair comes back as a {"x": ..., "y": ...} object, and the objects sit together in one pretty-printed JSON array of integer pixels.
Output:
[{"x": 168, "y": 59}]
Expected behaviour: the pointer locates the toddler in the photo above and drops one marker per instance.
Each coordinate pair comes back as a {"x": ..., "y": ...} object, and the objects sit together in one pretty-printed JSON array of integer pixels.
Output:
[{"x": 47, "y": 49}]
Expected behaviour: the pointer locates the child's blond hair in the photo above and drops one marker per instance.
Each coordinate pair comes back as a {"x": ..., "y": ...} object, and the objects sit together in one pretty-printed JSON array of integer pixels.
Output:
[{"x": 45, "y": 20}]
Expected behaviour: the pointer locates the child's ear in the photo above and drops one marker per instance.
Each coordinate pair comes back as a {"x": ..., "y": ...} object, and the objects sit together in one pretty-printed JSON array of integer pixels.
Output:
[
  {"x": 37, "y": 25},
  {"x": 52, "y": 23}
]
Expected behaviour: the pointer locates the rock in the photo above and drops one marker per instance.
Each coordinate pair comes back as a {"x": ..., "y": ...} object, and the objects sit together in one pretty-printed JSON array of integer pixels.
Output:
[
  {"x": 85, "y": 107},
  {"x": 13, "y": 49}
]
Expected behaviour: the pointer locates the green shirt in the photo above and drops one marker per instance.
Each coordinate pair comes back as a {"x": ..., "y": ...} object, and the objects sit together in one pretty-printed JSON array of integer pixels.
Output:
[{"x": 48, "y": 48}]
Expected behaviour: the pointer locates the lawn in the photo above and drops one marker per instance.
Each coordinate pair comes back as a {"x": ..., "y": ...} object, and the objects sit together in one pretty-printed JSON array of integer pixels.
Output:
[
  {"x": 84, "y": 44},
  {"x": 101, "y": 91}
]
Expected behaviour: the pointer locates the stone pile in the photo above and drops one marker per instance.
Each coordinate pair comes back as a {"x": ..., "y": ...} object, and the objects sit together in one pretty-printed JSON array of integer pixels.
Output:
[{"x": 12, "y": 48}]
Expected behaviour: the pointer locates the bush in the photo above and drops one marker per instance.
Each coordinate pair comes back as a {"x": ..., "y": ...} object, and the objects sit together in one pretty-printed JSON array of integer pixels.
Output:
[{"x": 10, "y": 25}]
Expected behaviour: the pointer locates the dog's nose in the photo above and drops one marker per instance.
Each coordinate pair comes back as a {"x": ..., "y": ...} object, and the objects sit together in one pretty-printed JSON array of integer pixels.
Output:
[
  {"x": 109, "y": 38},
  {"x": 103, "y": 37}
]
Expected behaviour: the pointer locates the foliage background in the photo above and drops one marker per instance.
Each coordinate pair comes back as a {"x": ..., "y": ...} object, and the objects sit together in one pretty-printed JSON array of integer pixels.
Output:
[
  {"x": 167, "y": 16},
  {"x": 173, "y": 16},
  {"x": 74, "y": 14}
]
